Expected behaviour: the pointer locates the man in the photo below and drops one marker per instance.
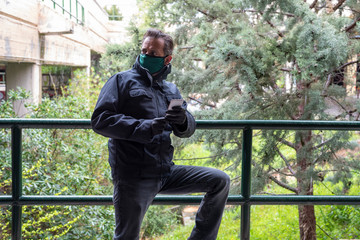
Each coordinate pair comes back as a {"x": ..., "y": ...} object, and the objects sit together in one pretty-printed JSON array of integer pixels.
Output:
[{"x": 132, "y": 110}]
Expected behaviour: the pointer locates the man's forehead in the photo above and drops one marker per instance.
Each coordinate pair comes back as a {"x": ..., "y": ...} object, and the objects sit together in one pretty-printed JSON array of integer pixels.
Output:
[{"x": 153, "y": 42}]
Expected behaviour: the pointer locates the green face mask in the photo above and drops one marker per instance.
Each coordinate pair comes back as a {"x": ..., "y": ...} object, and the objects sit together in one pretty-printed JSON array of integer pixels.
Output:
[{"x": 151, "y": 63}]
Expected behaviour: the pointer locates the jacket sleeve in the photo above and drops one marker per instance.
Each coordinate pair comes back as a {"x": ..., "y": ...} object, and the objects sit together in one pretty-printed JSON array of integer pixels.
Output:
[
  {"x": 188, "y": 129},
  {"x": 108, "y": 120}
]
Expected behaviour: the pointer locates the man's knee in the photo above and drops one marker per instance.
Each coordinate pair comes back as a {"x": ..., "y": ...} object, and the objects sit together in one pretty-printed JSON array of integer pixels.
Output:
[
  {"x": 222, "y": 180},
  {"x": 226, "y": 180}
]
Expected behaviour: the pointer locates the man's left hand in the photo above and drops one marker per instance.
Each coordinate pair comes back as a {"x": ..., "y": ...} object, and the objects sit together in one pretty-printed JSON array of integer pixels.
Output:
[{"x": 176, "y": 115}]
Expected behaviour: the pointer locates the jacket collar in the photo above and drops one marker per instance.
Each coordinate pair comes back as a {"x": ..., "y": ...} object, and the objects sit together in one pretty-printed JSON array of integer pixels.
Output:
[{"x": 158, "y": 79}]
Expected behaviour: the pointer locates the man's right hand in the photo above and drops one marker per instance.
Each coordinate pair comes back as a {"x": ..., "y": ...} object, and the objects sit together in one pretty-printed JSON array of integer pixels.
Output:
[{"x": 158, "y": 125}]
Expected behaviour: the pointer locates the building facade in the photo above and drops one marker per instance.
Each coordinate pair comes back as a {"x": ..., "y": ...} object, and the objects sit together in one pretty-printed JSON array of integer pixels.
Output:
[{"x": 49, "y": 32}]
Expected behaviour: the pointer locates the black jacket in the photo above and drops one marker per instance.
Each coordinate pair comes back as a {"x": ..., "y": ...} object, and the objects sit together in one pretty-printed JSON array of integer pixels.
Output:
[{"x": 124, "y": 111}]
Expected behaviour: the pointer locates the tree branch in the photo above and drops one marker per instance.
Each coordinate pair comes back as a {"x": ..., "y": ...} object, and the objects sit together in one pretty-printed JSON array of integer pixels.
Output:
[
  {"x": 282, "y": 173},
  {"x": 273, "y": 26},
  {"x": 325, "y": 232},
  {"x": 347, "y": 64},
  {"x": 348, "y": 112},
  {"x": 287, "y": 143},
  {"x": 268, "y": 21},
  {"x": 262, "y": 108},
  {"x": 338, "y": 5},
  {"x": 198, "y": 101},
  {"x": 328, "y": 81},
  {"x": 315, "y": 161},
  {"x": 321, "y": 144},
  {"x": 313, "y": 4},
  {"x": 286, "y": 69},
  {"x": 186, "y": 47},
  {"x": 282, "y": 184},
  {"x": 208, "y": 15},
  {"x": 326, "y": 85},
  {"x": 338, "y": 103},
  {"x": 255, "y": 11},
  {"x": 237, "y": 87},
  {"x": 352, "y": 25},
  {"x": 285, "y": 160}
]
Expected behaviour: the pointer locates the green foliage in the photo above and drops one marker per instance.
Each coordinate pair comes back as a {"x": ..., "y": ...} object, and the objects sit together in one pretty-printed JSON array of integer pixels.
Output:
[
  {"x": 229, "y": 228},
  {"x": 5, "y": 219},
  {"x": 159, "y": 220},
  {"x": 240, "y": 60},
  {"x": 38, "y": 221},
  {"x": 66, "y": 162},
  {"x": 114, "y": 13},
  {"x": 56, "y": 69},
  {"x": 340, "y": 221},
  {"x": 274, "y": 222},
  {"x": 117, "y": 58},
  {"x": 281, "y": 222},
  {"x": 15, "y": 99},
  {"x": 121, "y": 57},
  {"x": 266, "y": 60},
  {"x": 7, "y": 111}
]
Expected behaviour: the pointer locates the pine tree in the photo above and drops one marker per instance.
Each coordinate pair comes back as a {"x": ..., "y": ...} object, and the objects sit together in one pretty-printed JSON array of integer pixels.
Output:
[{"x": 274, "y": 60}]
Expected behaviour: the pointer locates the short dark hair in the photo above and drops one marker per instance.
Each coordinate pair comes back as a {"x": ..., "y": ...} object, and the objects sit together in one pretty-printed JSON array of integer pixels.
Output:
[{"x": 168, "y": 41}]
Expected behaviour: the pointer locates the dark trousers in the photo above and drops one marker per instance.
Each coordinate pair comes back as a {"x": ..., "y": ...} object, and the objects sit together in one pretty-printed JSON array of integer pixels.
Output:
[{"x": 132, "y": 198}]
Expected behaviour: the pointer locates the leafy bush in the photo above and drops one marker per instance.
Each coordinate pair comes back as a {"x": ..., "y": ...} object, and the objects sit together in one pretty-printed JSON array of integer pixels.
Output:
[
  {"x": 65, "y": 162},
  {"x": 159, "y": 220},
  {"x": 229, "y": 228}
]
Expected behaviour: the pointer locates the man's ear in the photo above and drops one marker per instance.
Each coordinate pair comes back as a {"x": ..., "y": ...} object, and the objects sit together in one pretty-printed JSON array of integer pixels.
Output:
[{"x": 167, "y": 60}]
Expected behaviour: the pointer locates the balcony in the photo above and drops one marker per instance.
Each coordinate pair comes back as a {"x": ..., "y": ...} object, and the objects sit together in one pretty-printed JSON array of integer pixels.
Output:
[{"x": 17, "y": 200}]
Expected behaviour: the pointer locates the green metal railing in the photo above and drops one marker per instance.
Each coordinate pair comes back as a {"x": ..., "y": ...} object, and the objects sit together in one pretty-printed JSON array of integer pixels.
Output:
[
  {"x": 78, "y": 13},
  {"x": 245, "y": 199}
]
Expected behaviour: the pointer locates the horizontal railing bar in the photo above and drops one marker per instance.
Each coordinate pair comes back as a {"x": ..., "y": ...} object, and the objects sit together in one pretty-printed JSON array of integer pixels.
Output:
[
  {"x": 193, "y": 200},
  {"x": 97, "y": 200},
  {"x": 45, "y": 123},
  {"x": 200, "y": 124},
  {"x": 188, "y": 200},
  {"x": 6, "y": 200},
  {"x": 278, "y": 124},
  {"x": 304, "y": 200},
  {"x": 66, "y": 200}
]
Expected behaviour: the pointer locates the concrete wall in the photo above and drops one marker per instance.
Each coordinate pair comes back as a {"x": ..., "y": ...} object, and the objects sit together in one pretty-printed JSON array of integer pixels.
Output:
[
  {"x": 34, "y": 33},
  {"x": 19, "y": 38},
  {"x": 26, "y": 75},
  {"x": 64, "y": 42}
]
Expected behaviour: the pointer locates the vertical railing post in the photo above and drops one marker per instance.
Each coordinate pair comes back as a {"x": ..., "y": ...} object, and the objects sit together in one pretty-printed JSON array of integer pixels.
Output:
[
  {"x": 246, "y": 183},
  {"x": 16, "y": 162},
  {"x": 77, "y": 11},
  {"x": 70, "y": 9},
  {"x": 83, "y": 15}
]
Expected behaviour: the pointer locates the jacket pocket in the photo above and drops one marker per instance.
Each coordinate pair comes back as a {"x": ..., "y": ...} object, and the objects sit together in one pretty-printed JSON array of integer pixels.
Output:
[
  {"x": 139, "y": 93},
  {"x": 140, "y": 104}
]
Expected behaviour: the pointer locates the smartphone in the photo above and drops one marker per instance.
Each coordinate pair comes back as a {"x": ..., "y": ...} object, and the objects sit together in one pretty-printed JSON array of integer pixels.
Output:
[{"x": 175, "y": 102}]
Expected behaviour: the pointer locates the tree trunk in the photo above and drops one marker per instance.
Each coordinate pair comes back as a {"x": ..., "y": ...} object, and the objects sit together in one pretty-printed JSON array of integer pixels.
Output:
[{"x": 307, "y": 220}]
